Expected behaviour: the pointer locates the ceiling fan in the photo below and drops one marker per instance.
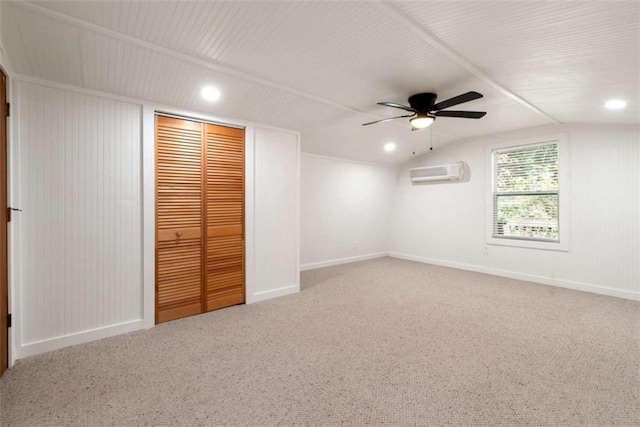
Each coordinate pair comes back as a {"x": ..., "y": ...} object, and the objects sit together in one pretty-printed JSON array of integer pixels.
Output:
[{"x": 424, "y": 110}]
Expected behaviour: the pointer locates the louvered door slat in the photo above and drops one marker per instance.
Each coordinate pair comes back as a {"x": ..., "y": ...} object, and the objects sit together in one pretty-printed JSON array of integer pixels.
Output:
[
  {"x": 179, "y": 219},
  {"x": 225, "y": 216}
]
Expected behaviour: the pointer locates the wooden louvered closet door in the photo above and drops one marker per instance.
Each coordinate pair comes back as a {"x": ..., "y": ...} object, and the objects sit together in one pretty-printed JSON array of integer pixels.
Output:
[
  {"x": 225, "y": 216},
  {"x": 179, "y": 218},
  {"x": 199, "y": 217}
]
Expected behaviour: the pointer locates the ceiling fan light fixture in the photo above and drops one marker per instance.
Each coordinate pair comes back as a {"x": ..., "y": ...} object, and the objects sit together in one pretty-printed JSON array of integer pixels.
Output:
[{"x": 422, "y": 121}]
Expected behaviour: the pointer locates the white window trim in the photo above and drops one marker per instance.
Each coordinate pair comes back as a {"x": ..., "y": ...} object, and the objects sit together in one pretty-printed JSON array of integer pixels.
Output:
[{"x": 564, "y": 186}]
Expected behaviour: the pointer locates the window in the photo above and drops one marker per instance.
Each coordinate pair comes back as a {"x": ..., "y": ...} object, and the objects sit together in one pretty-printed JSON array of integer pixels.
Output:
[
  {"x": 526, "y": 207},
  {"x": 525, "y": 192}
]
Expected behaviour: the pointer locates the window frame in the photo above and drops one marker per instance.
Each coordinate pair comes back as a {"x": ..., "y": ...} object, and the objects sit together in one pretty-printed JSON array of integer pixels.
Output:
[{"x": 564, "y": 193}]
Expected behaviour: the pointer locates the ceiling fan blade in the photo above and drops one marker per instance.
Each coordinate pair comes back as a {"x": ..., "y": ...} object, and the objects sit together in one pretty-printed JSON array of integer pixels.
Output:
[
  {"x": 385, "y": 120},
  {"x": 395, "y": 105},
  {"x": 461, "y": 114},
  {"x": 465, "y": 97}
]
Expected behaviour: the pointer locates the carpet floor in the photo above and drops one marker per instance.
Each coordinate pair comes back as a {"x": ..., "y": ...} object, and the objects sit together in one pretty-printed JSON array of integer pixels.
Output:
[{"x": 381, "y": 342}]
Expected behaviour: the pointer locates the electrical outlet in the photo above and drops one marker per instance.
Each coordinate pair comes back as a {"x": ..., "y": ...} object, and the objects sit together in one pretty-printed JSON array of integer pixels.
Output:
[
  {"x": 485, "y": 250},
  {"x": 355, "y": 244}
]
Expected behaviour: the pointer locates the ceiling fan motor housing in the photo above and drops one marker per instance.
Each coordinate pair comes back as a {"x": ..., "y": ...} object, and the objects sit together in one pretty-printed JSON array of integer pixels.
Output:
[{"x": 422, "y": 102}]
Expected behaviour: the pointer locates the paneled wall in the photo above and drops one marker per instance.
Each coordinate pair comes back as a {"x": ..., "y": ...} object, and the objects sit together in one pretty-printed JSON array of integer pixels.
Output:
[
  {"x": 445, "y": 223},
  {"x": 80, "y": 226},
  {"x": 82, "y": 251},
  {"x": 345, "y": 210}
]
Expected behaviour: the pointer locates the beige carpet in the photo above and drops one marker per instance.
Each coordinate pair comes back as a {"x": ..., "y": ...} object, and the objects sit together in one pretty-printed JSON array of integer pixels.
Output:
[{"x": 382, "y": 342}]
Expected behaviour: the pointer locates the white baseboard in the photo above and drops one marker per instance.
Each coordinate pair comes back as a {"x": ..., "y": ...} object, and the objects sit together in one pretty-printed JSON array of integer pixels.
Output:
[
  {"x": 273, "y": 293},
  {"x": 77, "y": 338},
  {"x": 339, "y": 261},
  {"x": 578, "y": 286}
]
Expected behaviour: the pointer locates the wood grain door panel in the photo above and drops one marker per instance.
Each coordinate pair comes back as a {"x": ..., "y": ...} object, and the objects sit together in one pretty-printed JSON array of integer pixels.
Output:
[
  {"x": 225, "y": 216},
  {"x": 225, "y": 271},
  {"x": 179, "y": 218},
  {"x": 179, "y": 273}
]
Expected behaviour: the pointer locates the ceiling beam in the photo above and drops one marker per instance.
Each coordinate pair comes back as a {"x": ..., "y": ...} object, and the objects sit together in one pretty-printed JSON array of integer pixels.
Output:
[{"x": 408, "y": 21}]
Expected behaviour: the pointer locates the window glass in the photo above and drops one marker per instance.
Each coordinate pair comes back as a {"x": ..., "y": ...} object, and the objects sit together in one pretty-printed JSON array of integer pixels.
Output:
[{"x": 526, "y": 193}]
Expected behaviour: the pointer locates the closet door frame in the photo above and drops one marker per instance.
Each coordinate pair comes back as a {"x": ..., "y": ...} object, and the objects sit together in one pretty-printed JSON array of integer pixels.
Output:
[
  {"x": 204, "y": 223},
  {"x": 149, "y": 110}
]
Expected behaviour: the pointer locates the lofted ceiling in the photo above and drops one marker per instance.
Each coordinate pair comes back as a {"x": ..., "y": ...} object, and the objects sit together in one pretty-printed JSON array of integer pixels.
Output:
[{"x": 320, "y": 67}]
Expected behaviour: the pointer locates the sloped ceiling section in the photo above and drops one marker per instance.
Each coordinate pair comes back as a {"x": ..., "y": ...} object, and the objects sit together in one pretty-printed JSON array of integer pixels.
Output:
[
  {"x": 320, "y": 67},
  {"x": 567, "y": 58}
]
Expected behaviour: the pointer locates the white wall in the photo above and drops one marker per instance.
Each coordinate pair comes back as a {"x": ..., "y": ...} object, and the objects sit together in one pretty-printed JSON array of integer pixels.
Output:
[
  {"x": 83, "y": 249},
  {"x": 445, "y": 223},
  {"x": 343, "y": 202},
  {"x": 277, "y": 260}
]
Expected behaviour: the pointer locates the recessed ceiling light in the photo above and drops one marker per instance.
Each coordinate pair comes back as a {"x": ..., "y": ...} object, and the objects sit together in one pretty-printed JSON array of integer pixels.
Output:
[
  {"x": 615, "y": 104},
  {"x": 210, "y": 93},
  {"x": 389, "y": 147}
]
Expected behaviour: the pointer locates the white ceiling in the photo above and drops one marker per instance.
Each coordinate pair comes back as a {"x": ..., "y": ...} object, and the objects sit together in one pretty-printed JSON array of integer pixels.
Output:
[{"x": 320, "y": 67}]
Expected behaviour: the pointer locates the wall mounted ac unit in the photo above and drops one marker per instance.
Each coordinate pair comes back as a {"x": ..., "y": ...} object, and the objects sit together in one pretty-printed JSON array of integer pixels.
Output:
[{"x": 450, "y": 172}]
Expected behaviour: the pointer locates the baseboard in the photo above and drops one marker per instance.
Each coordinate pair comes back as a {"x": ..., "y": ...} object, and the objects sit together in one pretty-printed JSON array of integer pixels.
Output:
[
  {"x": 273, "y": 293},
  {"x": 578, "y": 286},
  {"x": 77, "y": 338},
  {"x": 339, "y": 261}
]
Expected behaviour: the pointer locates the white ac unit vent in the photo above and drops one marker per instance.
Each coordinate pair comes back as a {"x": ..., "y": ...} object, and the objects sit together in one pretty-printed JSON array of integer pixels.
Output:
[{"x": 451, "y": 172}]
